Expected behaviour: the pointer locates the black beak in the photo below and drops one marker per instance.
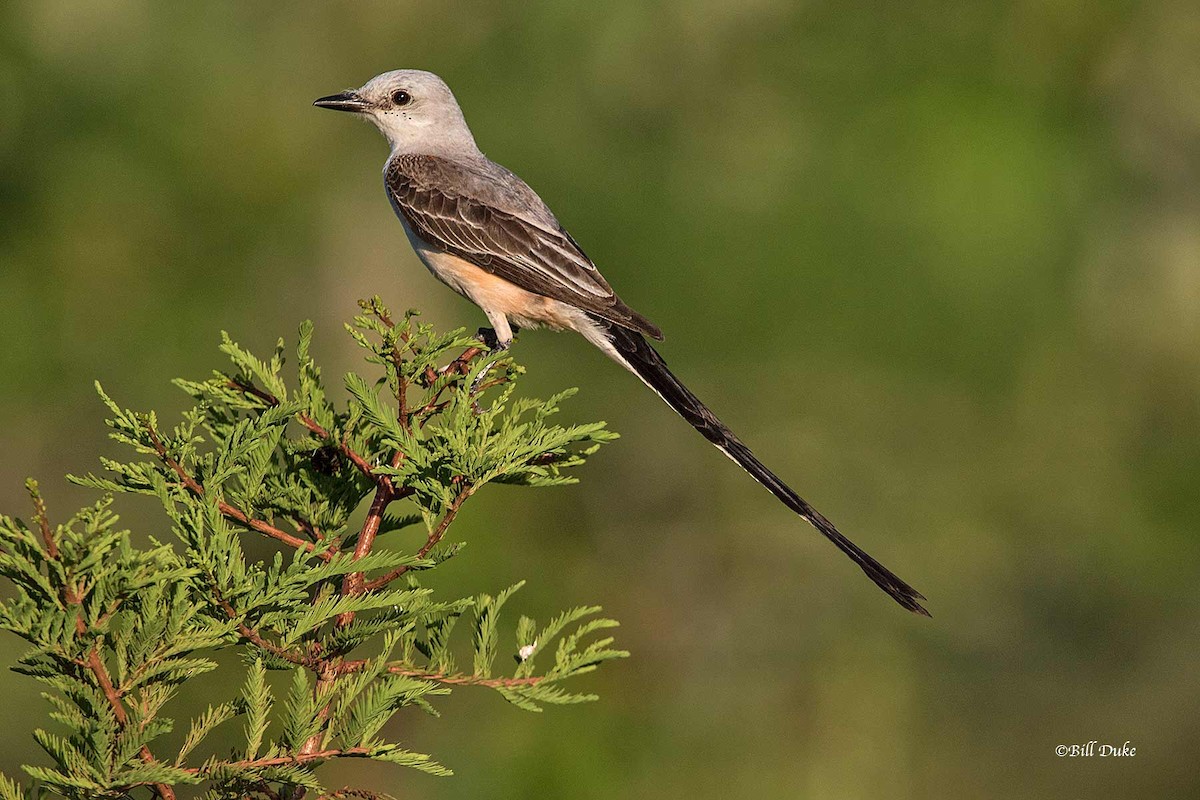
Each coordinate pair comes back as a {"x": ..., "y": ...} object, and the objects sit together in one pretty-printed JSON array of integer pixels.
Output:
[{"x": 346, "y": 101}]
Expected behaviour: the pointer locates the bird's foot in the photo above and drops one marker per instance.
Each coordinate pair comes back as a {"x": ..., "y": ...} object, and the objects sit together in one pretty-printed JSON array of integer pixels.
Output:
[{"x": 490, "y": 340}]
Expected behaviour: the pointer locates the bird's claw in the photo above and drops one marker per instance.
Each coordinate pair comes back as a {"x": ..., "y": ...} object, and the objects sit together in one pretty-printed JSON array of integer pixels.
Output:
[{"x": 489, "y": 338}]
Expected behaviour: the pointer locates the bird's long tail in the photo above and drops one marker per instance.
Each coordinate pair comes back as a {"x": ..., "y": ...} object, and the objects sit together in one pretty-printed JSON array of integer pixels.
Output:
[{"x": 632, "y": 351}]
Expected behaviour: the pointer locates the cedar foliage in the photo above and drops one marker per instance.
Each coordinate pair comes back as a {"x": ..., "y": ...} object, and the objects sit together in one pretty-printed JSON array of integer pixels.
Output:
[{"x": 116, "y": 629}]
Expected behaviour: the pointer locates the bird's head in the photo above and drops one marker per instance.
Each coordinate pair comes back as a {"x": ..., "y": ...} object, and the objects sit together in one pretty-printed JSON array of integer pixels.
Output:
[{"x": 414, "y": 109}]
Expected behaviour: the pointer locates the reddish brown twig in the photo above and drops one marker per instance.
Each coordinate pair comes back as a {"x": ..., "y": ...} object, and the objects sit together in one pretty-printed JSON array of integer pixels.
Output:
[
  {"x": 465, "y": 680},
  {"x": 254, "y": 637},
  {"x": 228, "y": 511},
  {"x": 239, "y": 516},
  {"x": 452, "y": 679},
  {"x": 279, "y": 761},
  {"x": 307, "y": 421},
  {"x": 386, "y": 491},
  {"x": 366, "y": 536},
  {"x": 435, "y": 536},
  {"x": 385, "y": 494},
  {"x": 74, "y": 596},
  {"x": 250, "y": 389},
  {"x": 397, "y": 358},
  {"x": 436, "y": 404},
  {"x": 43, "y": 521},
  {"x": 309, "y": 528},
  {"x": 460, "y": 365},
  {"x": 96, "y": 666},
  {"x": 353, "y": 582},
  {"x": 358, "y": 461},
  {"x": 326, "y": 675}
]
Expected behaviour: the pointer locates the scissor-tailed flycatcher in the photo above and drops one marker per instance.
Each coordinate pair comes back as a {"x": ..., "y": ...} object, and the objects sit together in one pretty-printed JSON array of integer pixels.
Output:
[{"x": 484, "y": 233}]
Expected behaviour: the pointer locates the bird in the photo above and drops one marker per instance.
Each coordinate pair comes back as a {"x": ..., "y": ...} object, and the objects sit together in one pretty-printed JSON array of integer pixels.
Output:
[{"x": 486, "y": 234}]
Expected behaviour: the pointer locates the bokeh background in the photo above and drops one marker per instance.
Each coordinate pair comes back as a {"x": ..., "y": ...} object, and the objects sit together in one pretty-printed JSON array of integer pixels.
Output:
[{"x": 938, "y": 262}]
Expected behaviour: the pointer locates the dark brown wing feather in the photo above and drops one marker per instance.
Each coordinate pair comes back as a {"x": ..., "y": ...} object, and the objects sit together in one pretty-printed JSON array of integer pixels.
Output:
[{"x": 499, "y": 224}]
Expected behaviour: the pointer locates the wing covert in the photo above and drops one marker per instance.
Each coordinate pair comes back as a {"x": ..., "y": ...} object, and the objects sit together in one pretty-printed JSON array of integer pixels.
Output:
[{"x": 503, "y": 227}]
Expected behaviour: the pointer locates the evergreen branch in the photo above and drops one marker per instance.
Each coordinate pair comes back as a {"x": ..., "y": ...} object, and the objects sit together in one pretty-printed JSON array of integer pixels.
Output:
[
  {"x": 385, "y": 494},
  {"x": 461, "y": 365},
  {"x": 304, "y": 758},
  {"x": 353, "y": 582},
  {"x": 43, "y": 521},
  {"x": 397, "y": 359},
  {"x": 98, "y": 670},
  {"x": 325, "y": 680},
  {"x": 271, "y": 400},
  {"x": 73, "y": 597},
  {"x": 117, "y": 629},
  {"x": 463, "y": 679},
  {"x": 435, "y": 536},
  {"x": 308, "y": 527},
  {"x": 227, "y": 510},
  {"x": 299, "y": 759},
  {"x": 253, "y": 636}
]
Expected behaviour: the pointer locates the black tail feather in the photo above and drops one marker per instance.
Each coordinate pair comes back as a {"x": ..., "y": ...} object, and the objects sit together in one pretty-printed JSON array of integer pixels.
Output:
[{"x": 637, "y": 354}]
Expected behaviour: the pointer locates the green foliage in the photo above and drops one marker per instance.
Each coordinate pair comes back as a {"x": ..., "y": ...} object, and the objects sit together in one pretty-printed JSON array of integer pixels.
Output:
[{"x": 116, "y": 628}]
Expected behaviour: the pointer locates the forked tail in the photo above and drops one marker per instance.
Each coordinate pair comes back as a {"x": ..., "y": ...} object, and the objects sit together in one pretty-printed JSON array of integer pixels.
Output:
[{"x": 636, "y": 355}]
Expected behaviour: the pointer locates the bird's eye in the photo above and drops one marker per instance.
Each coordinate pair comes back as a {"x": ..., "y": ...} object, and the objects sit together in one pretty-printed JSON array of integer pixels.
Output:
[{"x": 401, "y": 97}]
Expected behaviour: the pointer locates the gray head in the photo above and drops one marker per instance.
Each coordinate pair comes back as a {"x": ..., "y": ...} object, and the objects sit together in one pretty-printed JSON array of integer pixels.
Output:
[{"x": 414, "y": 109}]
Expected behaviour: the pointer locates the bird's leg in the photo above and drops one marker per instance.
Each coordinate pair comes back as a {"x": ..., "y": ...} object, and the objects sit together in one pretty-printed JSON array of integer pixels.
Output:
[
  {"x": 500, "y": 335},
  {"x": 497, "y": 339},
  {"x": 496, "y": 345}
]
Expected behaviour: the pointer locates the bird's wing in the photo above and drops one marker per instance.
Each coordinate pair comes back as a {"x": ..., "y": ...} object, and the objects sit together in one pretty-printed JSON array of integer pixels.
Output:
[{"x": 493, "y": 220}]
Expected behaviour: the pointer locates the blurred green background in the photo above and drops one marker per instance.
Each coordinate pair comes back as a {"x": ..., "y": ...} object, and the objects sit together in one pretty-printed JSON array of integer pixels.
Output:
[{"x": 938, "y": 262}]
